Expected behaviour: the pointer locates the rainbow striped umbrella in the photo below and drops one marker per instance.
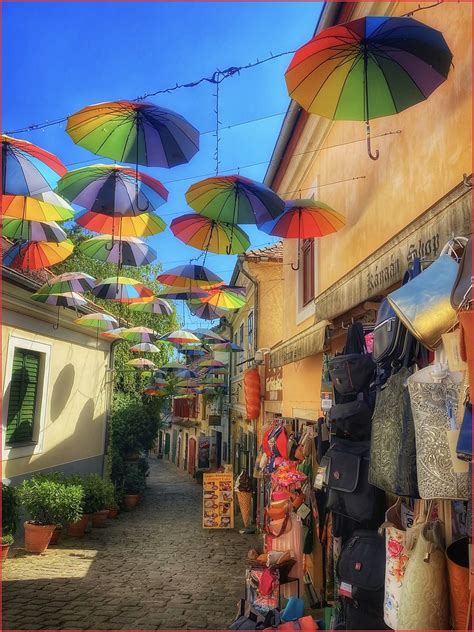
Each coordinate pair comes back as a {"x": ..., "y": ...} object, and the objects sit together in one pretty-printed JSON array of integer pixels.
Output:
[
  {"x": 139, "y": 334},
  {"x": 134, "y": 132},
  {"x": 29, "y": 208},
  {"x": 141, "y": 363},
  {"x": 204, "y": 310},
  {"x": 126, "y": 251},
  {"x": 182, "y": 294},
  {"x": 64, "y": 299},
  {"x": 211, "y": 363},
  {"x": 28, "y": 169},
  {"x": 121, "y": 290},
  {"x": 192, "y": 353},
  {"x": 210, "y": 235},
  {"x": 25, "y": 230},
  {"x": 155, "y": 306},
  {"x": 35, "y": 255},
  {"x": 114, "y": 334},
  {"x": 227, "y": 346},
  {"x": 181, "y": 336},
  {"x": 190, "y": 276},
  {"x": 112, "y": 190},
  {"x": 68, "y": 282},
  {"x": 226, "y": 297},
  {"x": 173, "y": 366},
  {"x": 98, "y": 320},
  {"x": 144, "y": 347},
  {"x": 207, "y": 335},
  {"x": 143, "y": 225},
  {"x": 371, "y": 67}
]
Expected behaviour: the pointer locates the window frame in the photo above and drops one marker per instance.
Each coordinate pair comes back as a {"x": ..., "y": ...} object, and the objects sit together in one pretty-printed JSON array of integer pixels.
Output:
[
  {"x": 241, "y": 344},
  {"x": 307, "y": 270},
  {"x": 250, "y": 337}
]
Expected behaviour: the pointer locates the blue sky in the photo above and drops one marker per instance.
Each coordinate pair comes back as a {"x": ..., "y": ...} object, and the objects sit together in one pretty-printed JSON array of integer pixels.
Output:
[{"x": 60, "y": 56}]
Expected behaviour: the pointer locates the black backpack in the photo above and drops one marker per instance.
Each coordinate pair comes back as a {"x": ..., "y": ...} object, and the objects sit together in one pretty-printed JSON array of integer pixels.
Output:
[{"x": 353, "y": 370}]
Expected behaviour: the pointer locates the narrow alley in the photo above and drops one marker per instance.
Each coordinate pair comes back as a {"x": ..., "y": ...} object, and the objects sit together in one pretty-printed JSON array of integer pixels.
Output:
[{"x": 153, "y": 568}]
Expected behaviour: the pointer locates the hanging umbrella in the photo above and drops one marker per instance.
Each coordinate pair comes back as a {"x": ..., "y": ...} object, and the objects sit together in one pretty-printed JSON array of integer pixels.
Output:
[
  {"x": 127, "y": 251},
  {"x": 141, "y": 363},
  {"x": 218, "y": 371},
  {"x": 28, "y": 169},
  {"x": 114, "y": 334},
  {"x": 227, "y": 346},
  {"x": 112, "y": 190},
  {"x": 181, "y": 336},
  {"x": 143, "y": 225},
  {"x": 182, "y": 294},
  {"x": 24, "y": 230},
  {"x": 204, "y": 310},
  {"x": 207, "y": 335},
  {"x": 158, "y": 374},
  {"x": 35, "y": 255},
  {"x": 134, "y": 132},
  {"x": 210, "y": 235},
  {"x": 155, "y": 306},
  {"x": 145, "y": 347},
  {"x": 304, "y": 219},
  {"x": 211, "y": 363},
  {"x": 28, "y": 208},
  {"x": 98, "y": 320},
  {"x": 65, "y": 299},
  {"x": 160, "y": 383},
  {"x": 190, "y": 276},
  {"x": 185, "y": 374},
  {"x": 122, "y": 290},
  {"x": 152, "y": 391},
  {"x": 173, "y": 366},
  {"x": 139, "y": 334},
  {"x": 226, "y": 297},
  {"x": 192, "y": 353},
  {"x": 371, "y": 67},
  {"x": 68, "y": 282}
]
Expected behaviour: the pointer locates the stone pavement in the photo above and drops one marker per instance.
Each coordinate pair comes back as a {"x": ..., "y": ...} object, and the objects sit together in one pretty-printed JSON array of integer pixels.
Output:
[{"x": 153, "y": 568}]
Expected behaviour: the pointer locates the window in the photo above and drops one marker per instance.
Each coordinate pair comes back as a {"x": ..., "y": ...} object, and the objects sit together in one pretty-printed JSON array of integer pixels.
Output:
[
  {"x": 234, "y": 355},
  {"x": 307, "y": 273},
  {"x": 250, "y": 349},
  {"x": 23, "y": 398},
  {"x": 241, "y": 343}
]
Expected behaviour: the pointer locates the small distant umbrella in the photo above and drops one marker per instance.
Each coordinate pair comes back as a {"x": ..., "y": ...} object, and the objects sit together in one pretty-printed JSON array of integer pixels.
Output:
[
  {"x": 218, "y": 371},
  {"x": 173, "y": 366},
  {"x": 226, "y": 297},
  {"x": 68, "y": 282},
  {"x": 121, "y": 290},
  {"x": 154, "y": 391},
  {"x": 29, "y": 208},
  {"x": 28, "y": 169},
  {"x": 190, "y": 276},
  {"x": 158, "y": 374},
  {"x": 98, "y": 321},
  {"x": 185, "y": 373},
  {"x": 211, "y": 363},
  {"x": 144, "y": 347},
  {"x": 141, "y": 363},
  {"x": 139, "y": 334},
  {"x": 155, "y": 306},
  {"x": 227, "y": 346},
  {"x": 14, "y": 228},
  {"x": 204, "y": 310},
  {"x": 210, "y": 235},
  {"x": 182, "y": 294},
  {"x": 35, "y": 255},
  {"x": 192, "y": 353},
  {"x": 127, "y": 251},
  {"x": 143, "y": 225},
  {"x": 114, "y": 334},
  {"x": 207, "y": 335},
  {"x": 181, "y": 336},
  {"x": 64, "y": 299}
]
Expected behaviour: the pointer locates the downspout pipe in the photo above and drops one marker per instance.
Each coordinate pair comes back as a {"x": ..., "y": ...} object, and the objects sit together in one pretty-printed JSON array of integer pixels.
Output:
[
  {"x": 110, "y": 369},
  {"x": 253, "y": 280}
]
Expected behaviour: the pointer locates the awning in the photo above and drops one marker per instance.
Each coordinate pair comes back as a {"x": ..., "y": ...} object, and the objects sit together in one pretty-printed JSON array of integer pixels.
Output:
[
  {"x": 309, "y": 342},
  {"x": 184, "y": 423}
]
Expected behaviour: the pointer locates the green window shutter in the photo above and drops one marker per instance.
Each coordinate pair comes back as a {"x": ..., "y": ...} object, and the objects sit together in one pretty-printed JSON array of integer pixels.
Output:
[{"x": 23, "y": 396}]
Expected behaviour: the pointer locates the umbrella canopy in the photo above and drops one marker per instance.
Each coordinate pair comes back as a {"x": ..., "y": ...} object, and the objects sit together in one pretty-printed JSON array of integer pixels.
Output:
[
  {"x": 185, "y": 373},
  {"x": 204, "y": 310},
  {"x": 143, "y": 225},
  {"x": 112, "y": 190},
  {"x": 155, "y": 306},
  {"x": 65, "y": 299},
  {"x": 25, "y": 230},
  {"x": 211, "y": 363},
  {"x": 371, "y": 67},
  {"x": 141, "y": 363},
  {"x": 127, "y": 251},
  {"x": 28, "y": 208},
  {"x": 139, "y": 334},
  {"x": 234, "y": 199},
  {"x": 158, "y": 375},
  {"x": 181, "y": 336},
  {"x": 122, "y": 290},
  {"x": 142, "y": 347},
  {"x": 114, "y": 334},
  {"x": 154, "y": 391},
  {"x": 68, "y": 282},
  {"x": 218, "y": 371},
  {"x": 97, "y": 320},
  {"x": 192, "y": 353},
  {"x": 134, "y": 132},
  {"x": 227, "y": 346},
  {"x": 190, "y": 276},
  {"x": 173, "y": 366},
  {"x": 210, "y": 235},
  {"x": 34, "y": 255},
  {"x": 207, "y": 335},
  {"x": 182, "y": 294},
  {"x": 226, "y": 297},
  {"x": 27, "y": 169}
]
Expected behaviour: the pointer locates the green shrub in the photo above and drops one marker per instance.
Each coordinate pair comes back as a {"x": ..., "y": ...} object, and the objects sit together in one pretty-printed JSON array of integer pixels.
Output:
[
  {"x": 49, "y": 502},
  {"x": 109, "y": 489},
  {"x": 133, "y": 482},
  {"x": 10, "y": 510},
  {"x": 94, "y": 493},
  {"x": 7, "y": 539}
]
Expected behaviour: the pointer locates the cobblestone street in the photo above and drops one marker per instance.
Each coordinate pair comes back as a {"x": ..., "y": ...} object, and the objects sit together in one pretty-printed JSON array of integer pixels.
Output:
[{"x": 153, "y": 568}]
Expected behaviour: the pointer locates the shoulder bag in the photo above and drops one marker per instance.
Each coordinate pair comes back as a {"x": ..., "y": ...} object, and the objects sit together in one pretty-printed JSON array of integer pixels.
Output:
[
  {"x": 353, "y": 370},
  {"x": 461, "y": 294},
  {"x": 351, "y": 420}
]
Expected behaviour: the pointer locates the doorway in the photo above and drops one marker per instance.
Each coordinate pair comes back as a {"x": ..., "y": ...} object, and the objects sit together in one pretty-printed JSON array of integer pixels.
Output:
[{"x": 192, "y": 456}]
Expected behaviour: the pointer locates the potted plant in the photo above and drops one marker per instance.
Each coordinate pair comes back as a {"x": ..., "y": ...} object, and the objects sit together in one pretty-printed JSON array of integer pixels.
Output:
[
  {"x": 132, "y": 486},
  {"x": 48, "y": 503},
  {"x": 110, "y": 502},
  {"x": 95, "y": 500},
  {"x": 10, "y": 517}
]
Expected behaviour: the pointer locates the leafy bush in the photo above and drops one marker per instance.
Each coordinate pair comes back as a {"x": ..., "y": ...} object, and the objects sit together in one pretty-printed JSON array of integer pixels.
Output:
[
  {"x": 49, "y": 502},
  {"x": 10, "y": 510},
  {"x": 7, "y": 539},
  {"x": 95, "y": 494},
  {"x": 109, "y": 489},
  {"x": 133, "y": 482},
  {"x": 143, "y": 466}
]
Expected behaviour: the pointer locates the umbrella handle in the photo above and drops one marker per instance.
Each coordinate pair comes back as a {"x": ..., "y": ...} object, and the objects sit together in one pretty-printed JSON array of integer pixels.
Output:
[
  {"x": 56, "y": 324},
  {"x": 369, "y": 147},
  {"x": 297, "y": 267}
]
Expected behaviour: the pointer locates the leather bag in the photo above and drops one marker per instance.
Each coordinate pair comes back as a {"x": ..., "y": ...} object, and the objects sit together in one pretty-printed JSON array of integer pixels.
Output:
[
  {"x": 467, "y": 343},
  {"x": 457, "y": 555},
  {"x": 351, "y": 420},
  {"x": 461, "y": 294},
  {"x": 392, "y": 447},
  {"x": 424, "y": 304},
  {"x": 434, "y": 405}
]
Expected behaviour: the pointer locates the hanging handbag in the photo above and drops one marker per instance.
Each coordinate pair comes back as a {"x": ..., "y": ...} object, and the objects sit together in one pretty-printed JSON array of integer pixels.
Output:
[
  {"x": 467, "y": 343},
  {"x": 353, "y": 370},
  {"x": 392, "y": 447},
  {"x": 351, "y": 420},
  {"x": 461, "y": 294},
  {"x": 424, "y": 304},
  {"x": 435, "y": 397},
  {"x": 457, "y": 555}
]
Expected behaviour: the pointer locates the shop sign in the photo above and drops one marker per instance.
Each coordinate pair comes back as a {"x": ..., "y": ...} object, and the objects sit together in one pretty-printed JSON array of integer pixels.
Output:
[
  {"x": 218, "y": 501},
  {"x": 423, "y": 238},
  {"x": 273, "y": 382},
  {"x": 204, "y": 448},
  {"x": 214, "y": 420},
  {"x": 309, "y": 342}
]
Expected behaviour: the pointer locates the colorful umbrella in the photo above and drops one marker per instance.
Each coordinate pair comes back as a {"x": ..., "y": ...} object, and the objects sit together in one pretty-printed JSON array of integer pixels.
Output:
[
  {"x": 181, "y": 294},
  {"x": 192, "y": 353},
  {"x": 185, "y": 373},
  {"x": 155, "y": 306},
  {"x": 24, "y": 230},
  {"x": 112, "y": 190},
  {"x": 235, "y": 200},
  {"x": 68, "y": 282},
  {"x": 204, "y": 310},
  {"x": 304, "y": 219},
  {"x": 226, "y": 297},
  {"x": 64, "y": 299},
  {"x": 209, "y": 235},
  {"x": 98, "y": 320},
  {"x": 28, "y": 208},
  {"x": 173, "y": 366},
  {"x": 134, "y": 132},
  {"x": 158, "y": 375},
  {"x": 371, "y": 67},
  {"x": 141, "y": 363},
  {"x": 227, "y": 346},
  {"x": 218, "y": 371},
  {"x": 181, "y": 336},
  {"x": 139, "y": 334},
  {"x": 207, "y": 335},
  {"x": 211, "y": 363},
  {"x": 145, "y": 347},
  {"x": 114, "y": 334},
  {"x": 143, "y": 225},
  {"x": 27, "y": 169},
  {"x": 190, "y": 276},
  {"x": 152, "y": 391},
  {"x": 34, "y": 255},
  {"x": 127, "y": 251},
  {"x": 122, "y": 290}
]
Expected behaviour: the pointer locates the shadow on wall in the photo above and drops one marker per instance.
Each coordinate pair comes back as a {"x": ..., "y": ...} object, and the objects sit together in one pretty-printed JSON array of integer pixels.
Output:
[{"x": 62, "y": 390}]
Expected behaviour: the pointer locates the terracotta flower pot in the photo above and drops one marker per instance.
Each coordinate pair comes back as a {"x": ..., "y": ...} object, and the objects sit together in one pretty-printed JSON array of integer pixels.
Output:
[
  {"x": 130, "y": 501},
  {"x": 113, "y": 513},
  {"x": 77, "y": 529},
  {"x": 37, "y": 536},
  {"x": 99, "y": 519},
  {"x": 5, "y": 549},
  {"x": 56, "y": 535}
]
